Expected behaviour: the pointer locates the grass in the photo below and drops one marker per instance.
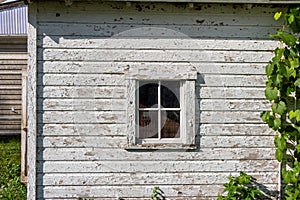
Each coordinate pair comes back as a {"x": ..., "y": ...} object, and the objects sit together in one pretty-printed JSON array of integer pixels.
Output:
[{"x": 10, "y": 169}]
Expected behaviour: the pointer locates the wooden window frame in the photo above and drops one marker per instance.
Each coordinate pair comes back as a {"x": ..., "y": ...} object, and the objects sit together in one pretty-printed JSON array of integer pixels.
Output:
[{"x": 188, "y": 78}]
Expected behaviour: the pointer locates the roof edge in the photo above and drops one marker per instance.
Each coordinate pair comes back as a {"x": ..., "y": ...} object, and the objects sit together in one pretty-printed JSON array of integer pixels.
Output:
[{"x": 69, "y": 2}]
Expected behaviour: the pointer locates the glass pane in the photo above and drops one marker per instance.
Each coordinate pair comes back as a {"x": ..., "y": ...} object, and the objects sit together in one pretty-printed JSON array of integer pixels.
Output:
[
  {"x": 148, "y": 95},
  {"x": 148, "y": 124},
  {"x": 170, "y": 123},
  {"x": 170, "y": 94}
]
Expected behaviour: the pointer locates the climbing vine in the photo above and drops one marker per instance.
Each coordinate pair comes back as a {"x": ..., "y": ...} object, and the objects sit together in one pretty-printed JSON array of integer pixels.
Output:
[{"x": 283, "y": 92}]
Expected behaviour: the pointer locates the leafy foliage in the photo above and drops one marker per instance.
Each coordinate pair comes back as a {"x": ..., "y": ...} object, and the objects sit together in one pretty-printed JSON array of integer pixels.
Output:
[
  {"x": 10, "y": 168},
  {"x": 240, "y": 188},
  {"x": 283, "y": 92}
]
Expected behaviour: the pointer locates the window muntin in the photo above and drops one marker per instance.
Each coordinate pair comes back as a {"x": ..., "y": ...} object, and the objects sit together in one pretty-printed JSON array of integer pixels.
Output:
[{"x": 159, "y": 112}]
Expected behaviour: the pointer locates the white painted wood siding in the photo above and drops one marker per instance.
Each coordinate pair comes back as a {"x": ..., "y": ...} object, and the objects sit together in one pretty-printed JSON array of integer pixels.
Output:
[
  {"x": 13, "y": 58},
  {"x": 82, "y": 55}
]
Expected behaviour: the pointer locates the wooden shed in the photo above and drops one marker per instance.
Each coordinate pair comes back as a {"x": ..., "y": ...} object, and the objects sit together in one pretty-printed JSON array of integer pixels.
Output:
[
  {"x": 128, "y": 95},
  {"x": 13, "y": 59}
]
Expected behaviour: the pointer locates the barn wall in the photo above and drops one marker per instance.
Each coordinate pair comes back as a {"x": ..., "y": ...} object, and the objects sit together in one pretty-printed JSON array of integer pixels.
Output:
[
  {"x": 84, "y": 51},
  {"x": 13, "y": 57}
]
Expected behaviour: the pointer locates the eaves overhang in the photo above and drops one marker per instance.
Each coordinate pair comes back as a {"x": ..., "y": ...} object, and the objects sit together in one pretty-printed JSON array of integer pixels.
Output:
[{"x": 198, "y": 1}]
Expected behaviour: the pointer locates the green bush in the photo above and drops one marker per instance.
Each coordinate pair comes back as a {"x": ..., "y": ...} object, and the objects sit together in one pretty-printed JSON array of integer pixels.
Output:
[
  {"x": 240, "y": 188},
  {"x": 10, "y": 169}
]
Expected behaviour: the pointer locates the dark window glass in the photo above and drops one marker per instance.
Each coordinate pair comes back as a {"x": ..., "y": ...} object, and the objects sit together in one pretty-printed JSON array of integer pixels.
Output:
[
  {"x": 148, "y": 95},
  {"x": 170, "y": 124},
  {"x": 170, "y": 94},
  {"x": 148, "y": 124}
]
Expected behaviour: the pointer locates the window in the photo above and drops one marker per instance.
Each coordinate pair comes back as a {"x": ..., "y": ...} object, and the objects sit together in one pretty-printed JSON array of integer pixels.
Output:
[
  {"x": 161, "y": 107},
  {"x": 159, "y": 111}
]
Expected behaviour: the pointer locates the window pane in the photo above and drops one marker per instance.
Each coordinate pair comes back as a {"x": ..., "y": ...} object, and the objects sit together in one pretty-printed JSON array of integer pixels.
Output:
[
  {"x": 148, "y": 95},
  {"x": 170, "y": 123},
  {"x": 148, "y": 124},
  {"x": 170, "y": 94}
]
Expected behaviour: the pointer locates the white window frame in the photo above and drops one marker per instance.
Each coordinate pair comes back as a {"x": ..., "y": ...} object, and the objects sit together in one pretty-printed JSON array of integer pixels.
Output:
[
  {"x": 187, "y": 77},
  {"x": 159, "y": 109}
]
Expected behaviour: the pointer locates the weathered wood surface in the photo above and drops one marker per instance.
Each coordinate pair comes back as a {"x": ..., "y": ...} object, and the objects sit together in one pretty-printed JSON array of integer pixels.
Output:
[
  {"x": 109, "y": 154},
  {"x": 118, "y": 142},
  {"x": 125, "y": 55},
  {"x": 102, "y": 192},
  {"x": 159, "y": 166},
  {"x": 32, "y": 150},
  {"x": 147, "y": 178},
  {"x": 86, "y": 67},
  {"x": 84, "y": 53},
  {"x": 13, "y": 58},
  {"x": 157, "y": 43}
]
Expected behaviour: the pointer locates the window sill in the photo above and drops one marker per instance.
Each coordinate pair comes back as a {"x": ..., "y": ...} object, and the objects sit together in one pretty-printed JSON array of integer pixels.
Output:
[{"x": 141, "y": 147}]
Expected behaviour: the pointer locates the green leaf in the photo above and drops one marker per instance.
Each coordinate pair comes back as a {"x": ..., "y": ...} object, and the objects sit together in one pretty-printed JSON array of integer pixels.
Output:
[
  {"x": 269, "y": 69},
  {"x": 277, "y": 124},
  {"x": 297, "y": 83},
  {"x": 271, "y": 93},
  {"x": 288, "y": 39},
  {"x": 278, "y": 79},
  {"x": 277, "y": 15},
  {"x": 291, "y": 18},
  {"x": 265, "y": 116},
  {"x": 295, "y": 114},
  {"x": 279, "y": 108},
  {"x": 279, "y": 155},
  {"x": 280, "y": 143}
]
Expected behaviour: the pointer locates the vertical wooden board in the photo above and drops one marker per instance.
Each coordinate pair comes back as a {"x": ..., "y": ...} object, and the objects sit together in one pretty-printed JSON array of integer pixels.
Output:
[
  {"x": 31, "y": 106},
  {"x": 24, "y": 127}
]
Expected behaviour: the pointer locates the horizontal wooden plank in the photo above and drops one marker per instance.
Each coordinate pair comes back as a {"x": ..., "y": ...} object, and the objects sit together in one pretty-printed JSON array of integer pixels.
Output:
[
  {"x": 10, "y": 111},
  {"x": 199, "y": 192},
  {"x": 85, "y": 67},
  {"x": 10, "y": 82},
  {"x": 82, "y": 129},
  {"x": 11, "y": 63},
  {"x": 82, "y": 117},
  {"x": 10, "y": 122},
  {"x": 119, "y": 80},
  {"x": 234, "y": 105},
  {"x": 231, "y": 92},
  {"x": 157, "y": 17},
  {"x": 9, "y": 117},
  {"x": 81, "y": 79},
  {"x": 147, "y": 179},
  {"x": 158, "y": 167},
  {"x": 82, "y": 104},
  {"x": 117, "y": 154},
  {"x": 120, "y": 129},
  {"x": 155, "y": 31},
  {"x": 82, "y": 141},
  {"x": 119, "y": 104},
  {"x": 10, "y": 97},
  {"x": 10, "y": 77},
  {"x": 9, "y": 127},
  {"x": 231, "y": 80},
  {"x": 11, "y": 91},
  {"x": 205, "y": 141},
  {"x": 10, "y": 72},
  {"x": 214, "y": 129},
  {"x": 148, "y": 7},
  {"x": 92, "y": 92},
  {"x": 218, "y": 117},
  {"x": 10, "y": 87},
  {"x": 13, "y": 56},
  {"x": 9, "y": 102},
  {"x": 156, "y": 43},
  {"x": 82, "y": 67},
  {"x": 153, "y": 55},
  {"x": 10, "y": 132},
  {"x": 236, "y": 141}
]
